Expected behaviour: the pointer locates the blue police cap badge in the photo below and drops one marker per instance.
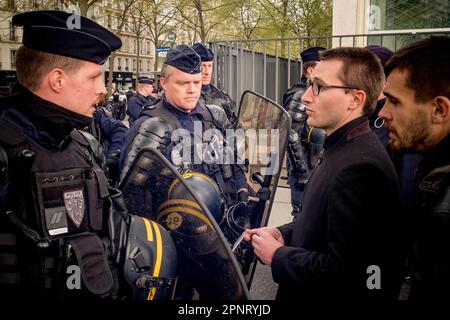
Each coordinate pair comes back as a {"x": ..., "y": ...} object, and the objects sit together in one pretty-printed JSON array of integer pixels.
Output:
[
  {"x": 146, "y": 80},
  {"x": 311, "y": 54},
  {"x": 184, "y": 58},
  {"x": 203, "y": 51},
  {"x": 66, "y": 34}
]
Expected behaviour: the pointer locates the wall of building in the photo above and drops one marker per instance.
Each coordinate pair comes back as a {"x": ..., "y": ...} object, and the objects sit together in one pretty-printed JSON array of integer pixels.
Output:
[{"x": 99, "y": 13}]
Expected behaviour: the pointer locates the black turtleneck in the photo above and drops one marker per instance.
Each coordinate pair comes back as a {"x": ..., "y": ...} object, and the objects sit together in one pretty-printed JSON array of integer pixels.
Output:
[
  {"x": 48, "y": 117},
  {"x": 332, "y": 139}
]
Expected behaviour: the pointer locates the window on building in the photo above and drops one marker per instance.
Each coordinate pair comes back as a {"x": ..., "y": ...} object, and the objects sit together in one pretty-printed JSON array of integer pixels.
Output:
[
  {"x": 140, "y": 66},
  {"x": 119, "y": 64},
  {"x": 148, "y": 65},
  {"x": 126, "y": 65},
  {"x": 13, "y": 59},
  {"x": 135, "y": 46},
  {"x": 12, "y": 32},
  {"x": 109, "y": 21},
  {"x": 134, "y": 64},
  {"x": 124, "y": 44},
  {"x": 11, "y": 4},
  {"x": 148, "y": 47},
  {"x": 411, "y": 14}
]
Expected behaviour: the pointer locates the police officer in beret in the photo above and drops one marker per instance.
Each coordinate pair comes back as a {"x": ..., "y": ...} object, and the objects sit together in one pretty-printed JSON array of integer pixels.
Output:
[
  {"x": 54, "y": 199},
  {"x": 305, "y": 143},
  {"x": 187, "y": 119},
  {"x": 211, "y": 95},
  {"x": 142, "y": 98}
]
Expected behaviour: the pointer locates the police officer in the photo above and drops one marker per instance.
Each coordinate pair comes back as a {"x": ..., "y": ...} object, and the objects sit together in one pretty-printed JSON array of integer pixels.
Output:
[
  {"x": 142, "y": 98},
  {"x": 305, "y": 143},
  {"x": 130, "y": 93},
  {"x": 188, "y": 120},
  {"x": 118, "y": 105},
  {"x": 54, "y": 198},
  {"x": 181, "y": 109},
  {"x": 210, "y": 93},
  {"x": 310, "y": 58}
]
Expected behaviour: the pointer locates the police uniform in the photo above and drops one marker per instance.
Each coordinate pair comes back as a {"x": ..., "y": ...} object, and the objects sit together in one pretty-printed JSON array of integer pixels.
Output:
[
  {"x": 110, "y": 132},
  {"x": 118, "y": 106},
  {"x": 305, "y": 143},
  {"x": 138, "y": 101},
  {"x": 155, "y": 128},
  {"x": 211, "y": 95},
  {"x": 54, "y": 205}
]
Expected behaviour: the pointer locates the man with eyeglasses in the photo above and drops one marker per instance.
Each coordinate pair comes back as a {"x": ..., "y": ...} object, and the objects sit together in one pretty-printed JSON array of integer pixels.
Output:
[{"x": 344, "y": 244}]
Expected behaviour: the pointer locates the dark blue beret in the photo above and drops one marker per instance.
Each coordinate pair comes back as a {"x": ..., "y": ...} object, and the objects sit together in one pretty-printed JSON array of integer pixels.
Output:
[
  {"x": 382, "y": 53},
  {"x": 203, "y": 51},
  {"x": 184, "y": 58},
  {"x": 146, "y": 80},
  {"x": 311, "y": 54},
  {"x": 66, "y": 34}
]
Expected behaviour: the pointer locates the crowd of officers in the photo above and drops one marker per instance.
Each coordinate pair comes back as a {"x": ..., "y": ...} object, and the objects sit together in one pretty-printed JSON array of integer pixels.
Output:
[{"x": 351, "y": 213}]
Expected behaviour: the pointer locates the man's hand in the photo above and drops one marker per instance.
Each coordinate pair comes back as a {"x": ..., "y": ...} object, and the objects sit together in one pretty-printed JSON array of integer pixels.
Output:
[{"x": 265, "y": 241}]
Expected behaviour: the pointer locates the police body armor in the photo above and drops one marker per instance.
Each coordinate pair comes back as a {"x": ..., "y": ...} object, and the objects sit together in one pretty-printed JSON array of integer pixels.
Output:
[
  {"x": 223, "y": 100},
  {"x": 151, "y": 134},
  {"x": 55, "y": 218}
]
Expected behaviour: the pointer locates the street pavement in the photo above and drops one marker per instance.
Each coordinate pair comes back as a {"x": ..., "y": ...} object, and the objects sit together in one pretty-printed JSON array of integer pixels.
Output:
[{"x": 263, "y": 287}]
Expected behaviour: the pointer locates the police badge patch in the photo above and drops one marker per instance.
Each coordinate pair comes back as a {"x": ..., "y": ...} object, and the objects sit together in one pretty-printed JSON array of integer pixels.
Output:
[{"x": 74, "y": 203}]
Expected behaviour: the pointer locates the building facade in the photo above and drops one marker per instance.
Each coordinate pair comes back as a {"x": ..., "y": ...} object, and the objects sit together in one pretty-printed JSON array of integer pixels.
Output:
[
  {"x": 136, "y": 57},
  {"x": 390, "y": 23}
]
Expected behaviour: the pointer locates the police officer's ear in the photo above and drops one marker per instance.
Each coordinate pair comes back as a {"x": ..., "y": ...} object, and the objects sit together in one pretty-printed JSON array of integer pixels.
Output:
[
  {"x": 441, "y": 110},
  {"x": 162, "y": 82},
  {"x": 55, "y": 79}
]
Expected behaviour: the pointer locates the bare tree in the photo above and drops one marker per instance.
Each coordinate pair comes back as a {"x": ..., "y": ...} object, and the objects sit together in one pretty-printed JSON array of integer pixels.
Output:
[
  {"x": 202, "y": 17},
  {"x": 248, "y": 16},
  {"x": 137, "y": 26},
  {"x": 122, "y": 17},
  {"x": 158, "y": 15},
  {"x": 84, "y": 5}
]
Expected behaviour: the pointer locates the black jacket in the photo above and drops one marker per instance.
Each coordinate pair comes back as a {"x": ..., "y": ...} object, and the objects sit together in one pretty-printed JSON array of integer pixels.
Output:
[
  {"x": 430, "y": 226},
  {"x": 349, "y": 222}
]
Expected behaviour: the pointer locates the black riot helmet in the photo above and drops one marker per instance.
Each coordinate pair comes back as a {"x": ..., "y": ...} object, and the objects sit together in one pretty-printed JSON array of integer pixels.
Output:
[
  {"x": 150, "y": 265},
  {"x": 183, "y": 217}
]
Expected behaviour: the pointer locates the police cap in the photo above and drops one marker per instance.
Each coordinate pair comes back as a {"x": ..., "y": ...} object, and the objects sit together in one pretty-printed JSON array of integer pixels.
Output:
[
  {"x": 146, "y": 80},
  {"x": 311, "y": 54},
  {"x": 203, "y": 51},
  {"x": 382, "y": 53},
  {"x": 67, "y": 35},
  {"x": 184, "y": 58}
]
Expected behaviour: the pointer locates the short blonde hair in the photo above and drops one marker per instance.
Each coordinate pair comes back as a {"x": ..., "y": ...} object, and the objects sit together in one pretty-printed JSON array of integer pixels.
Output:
[{"x": 32, "y": 65}]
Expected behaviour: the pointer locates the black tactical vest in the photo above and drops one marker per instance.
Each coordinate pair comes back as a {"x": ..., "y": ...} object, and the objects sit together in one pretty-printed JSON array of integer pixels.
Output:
[
  {"x": 223, "y": 173},
  {"x": 55, "y": 223}
]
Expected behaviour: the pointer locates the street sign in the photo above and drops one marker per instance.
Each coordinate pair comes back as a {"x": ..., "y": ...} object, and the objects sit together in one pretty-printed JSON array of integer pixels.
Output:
[
  {"x": 172, "y": 36},
  {"x": 163, "y": 49}
]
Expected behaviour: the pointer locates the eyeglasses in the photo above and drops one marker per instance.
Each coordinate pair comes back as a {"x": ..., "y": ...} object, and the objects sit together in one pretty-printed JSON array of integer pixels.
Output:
[{"x": 316, "y": 87}]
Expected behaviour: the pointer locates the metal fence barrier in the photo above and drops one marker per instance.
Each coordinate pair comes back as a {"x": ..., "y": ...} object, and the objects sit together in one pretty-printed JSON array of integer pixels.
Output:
[{"x": 271, "y": 66}]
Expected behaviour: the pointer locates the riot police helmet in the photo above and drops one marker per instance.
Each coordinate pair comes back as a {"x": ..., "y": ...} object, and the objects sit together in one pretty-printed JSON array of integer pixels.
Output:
[
  {"x": 150, "y": 266},
  {"x": 190, "y": 228}
]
